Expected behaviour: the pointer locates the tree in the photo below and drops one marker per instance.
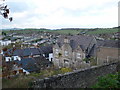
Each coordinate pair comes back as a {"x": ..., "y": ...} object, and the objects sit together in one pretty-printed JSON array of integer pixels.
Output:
[
  {"x": 4, "y": 11},
  {"x": 3, "y": 33}
]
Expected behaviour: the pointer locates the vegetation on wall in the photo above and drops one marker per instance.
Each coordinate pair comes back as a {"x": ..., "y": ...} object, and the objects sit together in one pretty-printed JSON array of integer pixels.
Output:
[
  {"x": 15, "y": 82},
  {"x": 59, "y": 54}
]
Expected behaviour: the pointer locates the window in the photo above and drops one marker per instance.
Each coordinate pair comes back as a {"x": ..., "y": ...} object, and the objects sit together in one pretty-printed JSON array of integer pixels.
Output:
[
  {"x": 66, "y": 53},
  {"x": 66, "y": 61},
  {"x": 57, "y": 62},
  {"x": 78, "y": 55},
  {"x": 57, "y": 51}
]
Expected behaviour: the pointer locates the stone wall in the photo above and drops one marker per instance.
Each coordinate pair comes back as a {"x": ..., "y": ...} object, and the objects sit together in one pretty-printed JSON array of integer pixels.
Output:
[{"x": 77, "y": 79}]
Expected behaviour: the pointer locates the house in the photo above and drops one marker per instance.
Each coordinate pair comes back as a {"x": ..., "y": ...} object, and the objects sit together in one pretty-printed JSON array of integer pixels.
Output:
[
  {"x": 108, "y": 51},
  {"x": 27, "y": 65},
  {"x": 69, "y": 51},
  {"x": 17, "y": 54},
  {"x": 47, "y": 51},
  {"x": 5, "y": 42},
  {"x": 72, "y": 51},
  {"x": 34, "y": 64},
  {"x": 7, "y": 59}
]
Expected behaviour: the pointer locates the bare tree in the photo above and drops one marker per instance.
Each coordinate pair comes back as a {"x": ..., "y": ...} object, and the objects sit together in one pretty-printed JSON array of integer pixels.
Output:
[{"x": 4, "y": 11}]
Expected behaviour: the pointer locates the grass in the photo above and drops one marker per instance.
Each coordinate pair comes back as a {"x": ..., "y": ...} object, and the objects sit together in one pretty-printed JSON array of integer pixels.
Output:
[
  {"x": 64, "y": 31},
  {"x": 89, "y": 31},
  {"x": 17, "y": 82},
  {"x": 25, "y": 81},
  {"x": 72, "y": 32},
  {"x": 102, "y": 31}
]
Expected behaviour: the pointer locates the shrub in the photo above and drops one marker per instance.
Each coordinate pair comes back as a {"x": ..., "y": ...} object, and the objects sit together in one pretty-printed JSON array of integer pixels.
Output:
[
  {"x": 108, "y": 81},
  {"x": 64, "y": 70}
]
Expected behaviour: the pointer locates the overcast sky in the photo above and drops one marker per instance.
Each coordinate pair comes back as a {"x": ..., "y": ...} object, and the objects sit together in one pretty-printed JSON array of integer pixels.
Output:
[{"x": 54, "y": 14}]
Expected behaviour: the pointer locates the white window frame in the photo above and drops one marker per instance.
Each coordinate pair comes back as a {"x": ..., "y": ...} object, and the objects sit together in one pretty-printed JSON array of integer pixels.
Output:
[
  {"x": 56, "y": 51},
  {"x": 79, "y": 55},
  {"x": 66, "y": 53}
]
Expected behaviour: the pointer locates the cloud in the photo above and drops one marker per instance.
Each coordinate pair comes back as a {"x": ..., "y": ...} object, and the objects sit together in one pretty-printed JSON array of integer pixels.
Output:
[{"x": 62, "y": 13}]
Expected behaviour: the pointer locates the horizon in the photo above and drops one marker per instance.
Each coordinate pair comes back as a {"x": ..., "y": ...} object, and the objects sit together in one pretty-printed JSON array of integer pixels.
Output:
[{"x": 54, "y": 28}]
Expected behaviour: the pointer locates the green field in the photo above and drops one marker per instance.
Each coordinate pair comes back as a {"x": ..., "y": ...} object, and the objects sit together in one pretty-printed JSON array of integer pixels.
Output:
[
  {"x": 89, "y": 31},
  {"x": 68, "y": 31},
  {"x": 102, "y": 31}
]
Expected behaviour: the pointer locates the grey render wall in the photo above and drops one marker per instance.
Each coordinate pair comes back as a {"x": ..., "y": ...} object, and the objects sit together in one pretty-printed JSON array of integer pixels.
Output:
[{"x": 77, "y": 79}]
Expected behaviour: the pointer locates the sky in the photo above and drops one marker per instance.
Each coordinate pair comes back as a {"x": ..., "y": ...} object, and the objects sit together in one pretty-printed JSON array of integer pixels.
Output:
[{"x": 56, "y": 14}]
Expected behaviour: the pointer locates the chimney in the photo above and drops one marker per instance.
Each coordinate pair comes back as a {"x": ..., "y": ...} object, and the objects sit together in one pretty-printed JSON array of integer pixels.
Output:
[{"x": 66, "y": 40}]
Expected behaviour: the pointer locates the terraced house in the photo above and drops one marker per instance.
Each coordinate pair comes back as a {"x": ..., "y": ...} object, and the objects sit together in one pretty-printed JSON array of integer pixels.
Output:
[{"x": 69, "y": 51}]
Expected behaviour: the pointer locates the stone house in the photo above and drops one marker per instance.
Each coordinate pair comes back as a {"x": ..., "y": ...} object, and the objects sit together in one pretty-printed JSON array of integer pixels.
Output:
[
  {"x": 108, "y": 51},
  {"x": 69, "y": 51}
]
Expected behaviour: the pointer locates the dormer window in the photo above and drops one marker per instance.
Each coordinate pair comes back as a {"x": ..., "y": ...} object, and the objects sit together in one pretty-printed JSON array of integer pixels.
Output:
[
  {"x": 66, "y": 40},
  {"x": 66, "y": 53}
]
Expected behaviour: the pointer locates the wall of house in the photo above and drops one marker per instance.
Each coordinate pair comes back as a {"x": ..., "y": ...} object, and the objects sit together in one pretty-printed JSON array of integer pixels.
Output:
[
  {"x": 50, "y": 57},
  {"x": 78, "y": 61},
  {"x": 12, "y": 58},
  {"x": 55, "y": 55},
  {"x": 77, "y": 79},
  {"x": 66, "y": 48},
  {"x": 107, "y": 55},
  {"x": 72, "y": 58}
]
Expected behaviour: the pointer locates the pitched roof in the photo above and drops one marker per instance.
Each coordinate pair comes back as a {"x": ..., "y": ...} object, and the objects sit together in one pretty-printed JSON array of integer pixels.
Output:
[
  {"x": 46, "y": 49},
  {"x": 29, "y": 51},
  {"x": 108, "y": 43},
  {"x": 76, "y": 40},
  {"x": 33, "y": 64}
]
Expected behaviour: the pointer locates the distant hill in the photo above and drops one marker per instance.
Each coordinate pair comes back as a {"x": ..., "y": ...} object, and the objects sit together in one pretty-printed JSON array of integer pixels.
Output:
[
  {"x": 12, "y": 29},
  {"x": 117, "y": 27}
]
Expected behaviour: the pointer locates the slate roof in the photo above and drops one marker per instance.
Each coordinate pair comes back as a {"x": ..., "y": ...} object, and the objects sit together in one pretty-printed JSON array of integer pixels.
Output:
[
  {"x": 33, "y": 64},
  {"x": 93, "y": 51},
  {"x": 30, "y": 51},
  {"x": 108, "y": 43},
  {"x": 76, "y": 40},
  {"x": 46, "y": 49}
]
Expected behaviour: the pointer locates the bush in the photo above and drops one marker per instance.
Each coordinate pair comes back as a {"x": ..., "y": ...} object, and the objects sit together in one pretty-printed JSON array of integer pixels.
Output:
[
  {"x": 17, "y": 82},
  {"x": 108, "y": 81},
  {"x": 64, "y": 70},
  {"x": 22, "y": 81}
]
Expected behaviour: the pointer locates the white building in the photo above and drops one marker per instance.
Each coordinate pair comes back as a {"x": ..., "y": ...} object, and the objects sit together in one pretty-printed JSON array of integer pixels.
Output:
[
  {"x": 5, "y": 42},
  {"x": 12, "y": 58}
]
